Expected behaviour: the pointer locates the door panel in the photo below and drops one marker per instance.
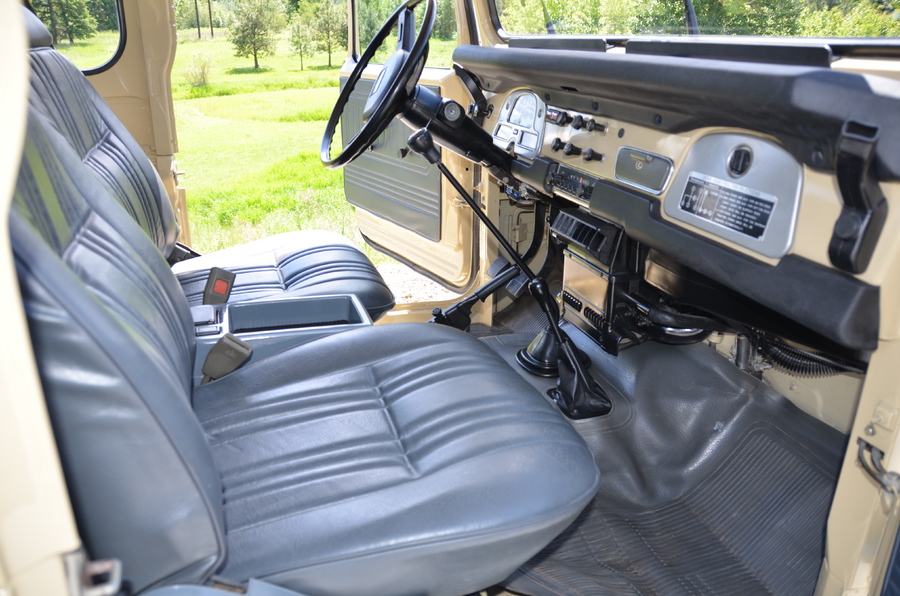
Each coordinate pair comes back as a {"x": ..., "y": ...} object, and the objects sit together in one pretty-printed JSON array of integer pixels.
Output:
[
  {"x": 403, "y": 205},
  {"x": 405, "y": 190}
]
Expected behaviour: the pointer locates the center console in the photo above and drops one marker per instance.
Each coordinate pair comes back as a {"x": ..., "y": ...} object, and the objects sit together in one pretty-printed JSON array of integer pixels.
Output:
[{"x": 271, "y": 326}]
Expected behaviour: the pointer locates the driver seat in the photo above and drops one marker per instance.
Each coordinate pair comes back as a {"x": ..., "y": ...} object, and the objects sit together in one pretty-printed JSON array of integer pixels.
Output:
[{"x": 301, "y": 263}]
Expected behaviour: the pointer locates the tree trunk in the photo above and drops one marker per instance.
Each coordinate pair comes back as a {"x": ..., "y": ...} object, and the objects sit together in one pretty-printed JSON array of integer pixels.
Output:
[
  {"x": 54, "y": 25},
  {"x": 255, "y": 61},
  {"x": 197, "y": 16}
]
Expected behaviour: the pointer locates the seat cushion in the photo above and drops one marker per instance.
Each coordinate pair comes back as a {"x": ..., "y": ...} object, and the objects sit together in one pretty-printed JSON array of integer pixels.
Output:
[
  {"x": 303, "y": 263},
  {"x": 403, "y": 459}
]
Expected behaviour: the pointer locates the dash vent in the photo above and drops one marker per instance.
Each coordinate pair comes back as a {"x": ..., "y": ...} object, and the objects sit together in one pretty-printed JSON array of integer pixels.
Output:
[{"x": 590, "y": 233}]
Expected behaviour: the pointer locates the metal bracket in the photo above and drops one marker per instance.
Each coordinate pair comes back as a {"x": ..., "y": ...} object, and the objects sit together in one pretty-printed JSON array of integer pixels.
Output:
[
  {"x": 93, "y": 578},
  {"x": 478, "y": 106},
  {"x": 857, "y": 229},
  {"x": 889, "y": 481}
]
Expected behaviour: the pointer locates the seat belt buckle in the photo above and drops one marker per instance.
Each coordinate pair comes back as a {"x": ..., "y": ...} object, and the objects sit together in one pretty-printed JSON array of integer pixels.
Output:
[
  {"x": 225, "y": 357},
  {"x": 218, "y": 286}
]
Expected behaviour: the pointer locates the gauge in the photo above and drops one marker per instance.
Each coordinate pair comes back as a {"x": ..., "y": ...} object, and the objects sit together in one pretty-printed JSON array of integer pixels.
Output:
[{"x": 524, "y": 110}]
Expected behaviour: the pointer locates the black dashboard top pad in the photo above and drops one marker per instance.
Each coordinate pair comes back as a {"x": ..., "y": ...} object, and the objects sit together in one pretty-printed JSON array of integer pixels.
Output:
[{"x": 804, "y": 107}]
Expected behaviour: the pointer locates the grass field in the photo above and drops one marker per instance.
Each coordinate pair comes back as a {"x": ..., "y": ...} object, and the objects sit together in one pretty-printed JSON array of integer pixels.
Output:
[{"x": 249, "y": 139}]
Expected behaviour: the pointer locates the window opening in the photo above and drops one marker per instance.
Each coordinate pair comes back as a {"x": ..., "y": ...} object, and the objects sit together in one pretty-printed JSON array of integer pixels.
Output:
[{"x": 88, "y": 32}]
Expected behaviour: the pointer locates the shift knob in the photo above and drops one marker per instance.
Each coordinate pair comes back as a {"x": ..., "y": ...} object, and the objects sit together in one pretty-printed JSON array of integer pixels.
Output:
[{"x": 422, "y": 143}]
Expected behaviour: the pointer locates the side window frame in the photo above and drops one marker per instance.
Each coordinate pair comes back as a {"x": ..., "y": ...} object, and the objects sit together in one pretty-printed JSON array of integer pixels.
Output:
[
  {"x": 110, "y": 59},
  {"x": 123, "y": 39}
]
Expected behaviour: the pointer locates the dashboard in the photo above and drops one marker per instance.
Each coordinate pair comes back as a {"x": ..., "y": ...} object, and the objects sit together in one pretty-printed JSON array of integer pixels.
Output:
[
  {"x": 732, "y": 204},
  {"x": 760, "y": 188},
  {"x": 740, "y": 188}
]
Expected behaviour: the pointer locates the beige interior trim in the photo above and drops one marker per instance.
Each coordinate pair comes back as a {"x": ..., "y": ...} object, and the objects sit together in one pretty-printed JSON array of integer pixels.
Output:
[
  {"x": 138, "y": 88},
  {"x": 862, "y": 517},
  {"x": 36, "y": 523}
]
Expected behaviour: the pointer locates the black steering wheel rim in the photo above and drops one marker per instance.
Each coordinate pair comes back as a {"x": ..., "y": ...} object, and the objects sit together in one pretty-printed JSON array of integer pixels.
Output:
[{"x": 408, "y": 63}]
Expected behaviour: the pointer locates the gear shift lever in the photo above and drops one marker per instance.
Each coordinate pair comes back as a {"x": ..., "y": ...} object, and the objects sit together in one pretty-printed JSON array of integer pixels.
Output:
[{"x": 577, "y": 394}]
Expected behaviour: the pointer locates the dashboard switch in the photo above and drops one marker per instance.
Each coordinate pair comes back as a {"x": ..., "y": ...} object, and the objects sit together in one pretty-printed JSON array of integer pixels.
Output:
[
  {"x": 591, "y": 155},
  {"x": 570, "y": 149},
  {"x": 577, "y": 122},
  {"x": 592, "y": 125},
  {"x": 557, "y": 144}
]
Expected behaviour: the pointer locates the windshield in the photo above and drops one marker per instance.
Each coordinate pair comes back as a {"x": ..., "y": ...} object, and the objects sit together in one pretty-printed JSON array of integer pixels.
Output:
[{"x": 791, "y": 18}]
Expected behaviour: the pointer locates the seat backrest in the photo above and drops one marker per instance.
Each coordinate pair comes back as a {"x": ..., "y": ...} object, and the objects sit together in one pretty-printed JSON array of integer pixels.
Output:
[
  {"x": 63, "y": 94},
  {"x": 113, "y": 339}
]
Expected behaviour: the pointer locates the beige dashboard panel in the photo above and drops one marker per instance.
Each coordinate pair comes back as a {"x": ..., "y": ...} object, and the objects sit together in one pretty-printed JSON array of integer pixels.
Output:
[{"x": 819, "y": 203}]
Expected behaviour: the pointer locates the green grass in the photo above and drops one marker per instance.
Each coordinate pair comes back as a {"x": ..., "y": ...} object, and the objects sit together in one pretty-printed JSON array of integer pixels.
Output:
[
  {"x": 232, "y": 76},
  {"x": 92, "y": 52},
  {"x": 253, "y": 169},
  {"x": 249, "y": 140}
]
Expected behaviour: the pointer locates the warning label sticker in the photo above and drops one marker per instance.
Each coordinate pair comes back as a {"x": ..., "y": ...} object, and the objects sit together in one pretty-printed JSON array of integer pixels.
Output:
[{"x": 730, "y": 205}]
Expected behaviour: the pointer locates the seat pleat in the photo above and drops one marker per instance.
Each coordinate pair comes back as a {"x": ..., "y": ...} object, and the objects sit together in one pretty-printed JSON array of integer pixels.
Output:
[{"x": 311, "y": 410}]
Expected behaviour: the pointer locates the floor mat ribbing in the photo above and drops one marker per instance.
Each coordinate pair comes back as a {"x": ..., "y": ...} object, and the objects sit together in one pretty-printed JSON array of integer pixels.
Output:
[{"x": 712, "y": 483}]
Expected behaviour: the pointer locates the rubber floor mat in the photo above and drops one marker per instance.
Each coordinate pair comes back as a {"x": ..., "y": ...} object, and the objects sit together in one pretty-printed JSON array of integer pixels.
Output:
[{"x": 711, "y": 483}]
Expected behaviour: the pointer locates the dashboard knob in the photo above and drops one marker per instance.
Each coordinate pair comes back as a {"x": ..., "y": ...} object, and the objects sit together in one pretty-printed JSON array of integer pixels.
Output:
[
  {"x": 557, "y": 144},
  {"x": 577, "y": 122},
  {"x": 590, "y": 125},
  {"x": 570, "y": 149},
  {"x": 591, "y": 155},
  {"x": 562, "y": 118}
]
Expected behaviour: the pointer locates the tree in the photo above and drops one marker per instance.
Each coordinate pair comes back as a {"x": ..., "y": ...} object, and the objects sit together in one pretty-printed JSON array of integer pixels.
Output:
[
  {"x": 68, "y": 19},
  {"x": 445, "y": 20},
  {"x": 106, "y": 13},
  {"x": 255, "y": 27},
  {"x": 330, "y": 26},
  {"x": 186, "y": 17},
  {"x": 371, "y": 14},
  {"x": 302, "y": 40}
]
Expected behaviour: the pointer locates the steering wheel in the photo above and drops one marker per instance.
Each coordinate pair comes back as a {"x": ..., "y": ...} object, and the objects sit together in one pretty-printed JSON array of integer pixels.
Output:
[{"x": 392, "y": 87}]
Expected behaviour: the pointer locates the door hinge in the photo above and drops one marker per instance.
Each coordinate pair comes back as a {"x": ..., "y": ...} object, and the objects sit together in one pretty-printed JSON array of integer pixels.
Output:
[
  {"x": 871, "y": 458},
  {"x": 458, "y": 203},
  {"x": 93, "y": 578}
]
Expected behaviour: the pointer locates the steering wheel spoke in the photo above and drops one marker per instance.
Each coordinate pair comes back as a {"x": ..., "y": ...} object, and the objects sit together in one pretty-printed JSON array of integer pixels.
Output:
[
  {"x": 390, "y": 92},
  {"x": 406, "y": 30}
]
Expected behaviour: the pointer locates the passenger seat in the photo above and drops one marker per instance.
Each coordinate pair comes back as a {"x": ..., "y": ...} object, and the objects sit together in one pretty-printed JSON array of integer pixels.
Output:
[
  {"x": 392, "y": 460},
  {"x": 301, "y": 263}
]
